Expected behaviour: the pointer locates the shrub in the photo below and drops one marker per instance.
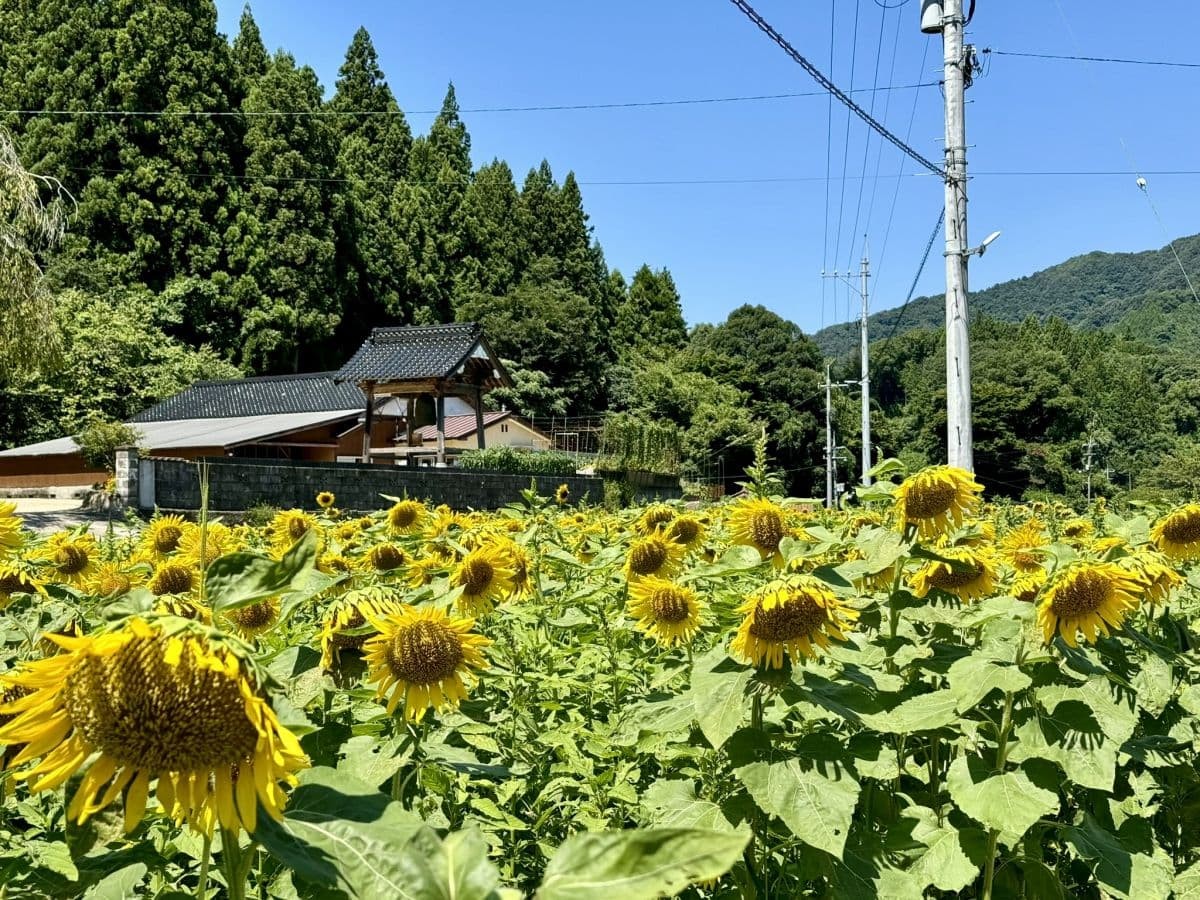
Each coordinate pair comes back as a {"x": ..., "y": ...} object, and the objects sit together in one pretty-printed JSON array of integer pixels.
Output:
[
  {"x": 519, "y": 461},
  {"x": 99, "y": 440}
]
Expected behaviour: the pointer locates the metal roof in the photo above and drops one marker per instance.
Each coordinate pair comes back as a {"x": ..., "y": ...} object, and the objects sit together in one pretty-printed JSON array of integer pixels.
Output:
[
  {"x": 224, "y": 432},
  {"x": 412, "y": 353},
  {"x": 305, "y": 393},
  {"x": 459, "y": 426}
]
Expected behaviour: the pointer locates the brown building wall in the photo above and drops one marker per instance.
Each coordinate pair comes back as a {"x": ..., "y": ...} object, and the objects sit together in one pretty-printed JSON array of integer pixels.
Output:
[{"x": 62, "y": 470}]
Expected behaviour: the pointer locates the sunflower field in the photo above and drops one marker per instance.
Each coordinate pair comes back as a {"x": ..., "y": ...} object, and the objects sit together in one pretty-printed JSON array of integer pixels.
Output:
[{"x": 924, "y": 695}]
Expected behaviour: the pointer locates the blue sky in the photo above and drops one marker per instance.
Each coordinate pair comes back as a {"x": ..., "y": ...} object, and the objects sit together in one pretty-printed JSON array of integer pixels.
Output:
[{"x": 766, "y": 238}]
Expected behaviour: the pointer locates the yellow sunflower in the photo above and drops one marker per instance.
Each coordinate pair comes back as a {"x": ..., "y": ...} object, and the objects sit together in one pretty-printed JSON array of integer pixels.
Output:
[
  {"x": 289, "y": 526},
  {"x": 522, "y": 567},
  {"x": 405, "y": 516},
  {"x": 486, "y": 576},
  {"x": 143, "y": 705},
  {"x": 183, "y": 608},
  {"x": 1087, "y": 597},
  {"x": 653, "y": 555},
  {"x": 326, "y": 499},
  {"x": 72, "y": 557},
  {"x": 343, "y": 626},
  {"x": 971, "y": 574},
  {"x": 937, "y": 500},
  {"x": 1177, "y": 534},
  {"x": 423, "y": 657},
  {"x": 667, "y": 612},
  {"x": 111, "y": 580},
  {"x": 173, "y": 578},
  {"x": 12, "y": 536},
  {"x": 1154, "y": 572},
  {"x": 687, "y": 531},
  {"x": 790, "y": 615},
  {"x": 760, "y": 524},
  {"x": 254, "y": 619},
  {"x": 162, "y": 535},
  {"x": 217, "y": 538},
  {"x": 18, "y": 577},
  {"x": 385, "y": 558},
  {"x": 422, "y": 570},
  {"x": 562, "y": 495},
  {"x": 1078, "y": 531},
  {"x": 653, "y": 517}
]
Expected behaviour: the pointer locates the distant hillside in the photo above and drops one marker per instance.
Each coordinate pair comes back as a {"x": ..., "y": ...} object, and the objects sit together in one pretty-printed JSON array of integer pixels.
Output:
[{"x": 1096, "y": 290}]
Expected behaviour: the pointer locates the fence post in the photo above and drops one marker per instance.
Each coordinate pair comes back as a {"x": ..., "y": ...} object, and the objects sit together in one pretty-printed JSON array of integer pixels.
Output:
[{"x": 127, "y": 471}]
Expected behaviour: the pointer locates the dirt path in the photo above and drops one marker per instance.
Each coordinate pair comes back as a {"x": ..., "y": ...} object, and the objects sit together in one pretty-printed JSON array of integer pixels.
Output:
[{"x": 48, "y": 515}]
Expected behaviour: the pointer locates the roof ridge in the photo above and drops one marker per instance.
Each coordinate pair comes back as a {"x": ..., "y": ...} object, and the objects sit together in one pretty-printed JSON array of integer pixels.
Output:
[
  {"x": 409, "y": 329},
  {"x": 295, "y": 376}
]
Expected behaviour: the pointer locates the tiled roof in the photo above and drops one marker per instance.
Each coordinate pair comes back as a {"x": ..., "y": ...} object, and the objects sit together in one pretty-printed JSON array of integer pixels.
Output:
[
  {"x": 411, "y": 352},
  {"x": 459, "y": 426},
  {"x": 307, "y": 393}
]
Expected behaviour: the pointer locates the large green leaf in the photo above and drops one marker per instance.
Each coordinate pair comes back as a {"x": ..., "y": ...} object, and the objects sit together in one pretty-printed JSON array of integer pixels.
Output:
[
  {"x": 1114, "y": 712},
  {"x": 1071, "y": 737},
  {"x": 1131, "y": 876},
  {"x": 119, "y": 885},
  {"x": 674, "y": 804},
  {"x": 339, "y": 831},
  {"x": 456, "y": 868},
  {"x": 1187, "y": 883},
  {"x": 630, "y": 865},
  {"x": 926, "y": 712},
  {"x": 1009, "y": 803},
  {"x": 817, "y": 808},
  {"x": 239, "y": 579},
  {"x": 973, "y": 677},
  {"x": 719, "y": 695},
  {"x": 942, "y": 863}
]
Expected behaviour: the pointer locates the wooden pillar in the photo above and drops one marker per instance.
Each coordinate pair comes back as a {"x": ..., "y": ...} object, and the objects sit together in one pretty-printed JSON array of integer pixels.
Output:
[
  {"x": 440, "y": 404},
  {"x": 409, "y": 415},
  {"x": 479, "y": 417},
  {"x": 368, "y": 421}
]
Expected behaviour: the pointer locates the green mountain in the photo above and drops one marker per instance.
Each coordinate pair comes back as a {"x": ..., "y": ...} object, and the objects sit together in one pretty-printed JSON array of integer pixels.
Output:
[{"x": 1143, "y": 294}]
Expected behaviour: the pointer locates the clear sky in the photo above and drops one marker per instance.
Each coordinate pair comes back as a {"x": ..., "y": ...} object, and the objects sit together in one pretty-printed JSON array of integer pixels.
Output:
[{"x": 764, "y": 235}]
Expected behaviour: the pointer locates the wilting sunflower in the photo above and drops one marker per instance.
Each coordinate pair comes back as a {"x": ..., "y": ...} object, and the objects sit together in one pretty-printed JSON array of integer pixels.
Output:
[
  {"x": 670, "y": 613},
  {"x": 790, "y": 615},
  {"x": 969, "y": 573},
  {"x": 343, "y": 626},
  {"x": 162, "y": 535},
  {"x": 12, "y": 537},
  {"x": 522, "y": 567},
  {"x": 289, "y": 526},
  {"x": 485, "y": 576},
  {"x": 183, "y": 608},
  {"x": 687, "y": 531},
  {"x": 760, "y": 524},
  {"x": 144, "y": 705},
  {"x": 326, "y": 499},
  {"x": 255, "y": 618},
  {"x": 936, "y": 500},
  {"x": 18, "y": 577},
  {"x": 72, "y": 557},
  {"x": 405, "y": 516},
  {"x": 423, "y": 657},
  {"x": 173, "y": 578},
  {"x": 1177, "y": 534},
  {"x": 653, "y": 517},
  {"x": 1087, "y": 597},
  {"x": 386, "y": 558},
  {"x": 653, "y": 556},
  {"x": 1078, "y": 531},
  {"x": 562, "y": 495},
  {"x": 1154, "y": 572},
  {"x": 110, "y": 580}
]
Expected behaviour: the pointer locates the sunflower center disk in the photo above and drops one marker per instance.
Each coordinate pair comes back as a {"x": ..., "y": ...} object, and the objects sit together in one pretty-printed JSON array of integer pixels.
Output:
[
  {"x": 256, "y": 615},
  {"x": 925, "y": 501},
  {"x": 297, "y": 528},
  {"x": 172, "y": 580},
  {"x": 798, "y": 617},
  {"x": 646, "y": 559},
  {"x": 425, "y": 653},
  {"x": 766, "y": 530},
  {"x": 945, "y": 577},
  {"x": 402, "y": 516},
  {"x": 670, "y": 606},
  {"x": 150, "y": 715},
  {"x": 1083, "y": 594},
  {"x": 71, "y": 560},
  {"x": 386, "y": 557},
  {"x": 15, "y": 583},
  {"x": 684, "y": 531},
  {"x": 166, "y": 540},
  {"x": 477, "y": 575},
  {"x": 1183, "y": 529}
]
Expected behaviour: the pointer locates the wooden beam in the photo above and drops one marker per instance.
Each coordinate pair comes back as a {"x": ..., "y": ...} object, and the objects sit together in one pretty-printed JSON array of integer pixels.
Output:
[
  {"x": 411, "y": 414},
  {"x": 479, "y": 418},
  {"x": 440, "y": 405},
  {"x": 368, "y": 421}
]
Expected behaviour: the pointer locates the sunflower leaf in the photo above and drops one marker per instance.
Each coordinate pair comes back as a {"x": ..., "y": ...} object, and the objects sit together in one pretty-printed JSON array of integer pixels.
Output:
[
  {"x": 816, "y": 807},
  {"x": 239, "y": 579}
]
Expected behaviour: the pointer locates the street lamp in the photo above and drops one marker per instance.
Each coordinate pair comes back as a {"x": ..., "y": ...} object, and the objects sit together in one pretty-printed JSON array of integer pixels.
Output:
[{"x": 982, "y": 248}]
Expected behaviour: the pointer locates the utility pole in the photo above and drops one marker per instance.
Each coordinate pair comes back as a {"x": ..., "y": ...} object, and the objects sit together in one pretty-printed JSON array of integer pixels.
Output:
[
  {"x": 828, "y": 440},
  {"x": 957, "y": 68},
  {"x": 866, "y": 375},
  {"x": 1087, "y": 467}
]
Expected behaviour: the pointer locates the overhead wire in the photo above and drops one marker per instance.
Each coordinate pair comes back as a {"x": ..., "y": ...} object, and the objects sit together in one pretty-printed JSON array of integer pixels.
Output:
[
  {"x": 1093, "y": 59},
  {"x": 828, "y": 160},
  {"x": 887, "y": 108},
  {"x": 837, "y": 244},
  {"x": 916, "y": 279}
]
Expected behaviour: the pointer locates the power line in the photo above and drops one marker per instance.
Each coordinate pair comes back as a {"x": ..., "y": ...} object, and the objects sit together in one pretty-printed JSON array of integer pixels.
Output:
[
  {"x": 286, "y": 113},
  {"x": 812, "y": 70},
  {"x": 867, "y": 144},
  {"x": 837, "y": 244},
  {"x": 828, "y": 160},
  {"x": 1095, "y": 59},
  {"x": 916, "y": 278}
]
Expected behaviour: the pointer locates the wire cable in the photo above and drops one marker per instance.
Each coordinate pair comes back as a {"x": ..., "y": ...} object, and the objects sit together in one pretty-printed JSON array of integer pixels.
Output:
[
  {"x": 837, "y": 244},
  {"x": 867, "y": 144},
  {"x": 887, "y": 108},
  {"x": 812, "y": 70},
  {"x": 1093, "y": 59},
  {"x": 916, "y": 278},
  {"x": 828, "y": 158}
]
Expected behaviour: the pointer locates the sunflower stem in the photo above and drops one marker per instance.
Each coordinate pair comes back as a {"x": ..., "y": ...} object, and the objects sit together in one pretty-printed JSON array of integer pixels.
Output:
[
  {"x": 756, "y": 711},
  {"x": 205, "y": 860},
  {"x": 989, "y": 872},
  {"x": 231, "y": 865}
]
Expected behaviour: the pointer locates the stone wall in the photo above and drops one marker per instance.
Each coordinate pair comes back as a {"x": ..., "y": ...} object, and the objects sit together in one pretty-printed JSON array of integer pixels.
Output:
[{"x": 235, "y": 485}]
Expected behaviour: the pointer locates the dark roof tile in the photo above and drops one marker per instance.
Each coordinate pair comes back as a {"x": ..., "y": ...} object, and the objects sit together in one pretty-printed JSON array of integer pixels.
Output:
[
  {"x": 310, "y": 392},
  {"x": 411, "y": 352}
]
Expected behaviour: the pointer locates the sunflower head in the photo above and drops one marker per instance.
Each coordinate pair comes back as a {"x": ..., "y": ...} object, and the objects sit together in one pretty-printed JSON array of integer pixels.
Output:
[
  {"x": 255, "y": 618},
  {"x": 668, "y": 612},
  {"x": 110, "y": 580},
  {"x": 163, "y": 534},
  {"x": 790, "y": 616},
  {"x": 1088, "y": 597},
  {"x": 12, "y": 535},
  {"x": 1154, "y": 573},
  {"x": 653, "y": 555},
  {"x": 145, "y": 705},
  {"x": 344, "y": 626},
  {"x": 760, "y": 524},
  {"x": 968, "y": 573},
  {"x": 386, "y": 557},
  {"x": 1177, "y": 534},
  {"x": 937, "y": 500},
  {"x": 289, "y": 526},
  {"x": 486, "y": 575},
  {"x": 172, "y": 578},
  {"x": 1078, "y": 531},
  {"x": 687, "y": 531},
  {"x": 73, "y": 557},
  {"x": 405, "y": 516},
  {"x": 18, "y": 578},
  {"x": 200, "y": 547},
  {"x": 423, "y": 657},
  {"x": 654, "y": 517},
  {"x": 562, "y": 495},
  {"x": 326, "y": 499}
]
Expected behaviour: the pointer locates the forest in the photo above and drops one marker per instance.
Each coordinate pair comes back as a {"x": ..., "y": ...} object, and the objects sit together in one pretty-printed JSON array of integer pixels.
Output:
[{"x": 232, "y": 215}]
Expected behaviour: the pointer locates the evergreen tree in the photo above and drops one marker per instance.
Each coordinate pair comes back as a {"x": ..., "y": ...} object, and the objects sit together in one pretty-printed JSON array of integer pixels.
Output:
[
  {"x": 248, "y": 52},
  {"x": 650, "y": 317},
  {"x": 286, "y": 294},
  {"x": 494, "y": 252},
  {"x": 374, "y": 143}
]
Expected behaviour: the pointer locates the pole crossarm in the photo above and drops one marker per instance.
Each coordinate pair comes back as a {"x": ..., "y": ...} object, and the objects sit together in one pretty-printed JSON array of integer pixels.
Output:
[{"x": 841, "y": 95}]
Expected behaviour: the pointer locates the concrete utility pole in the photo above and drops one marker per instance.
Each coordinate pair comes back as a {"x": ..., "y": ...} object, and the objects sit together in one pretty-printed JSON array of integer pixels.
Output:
[
  {"x": 1091, "y": 445},
  {"x": 828, "y": 440},
  {"x": 958, "y": 351},
  {"x": 866, "y": 375}
]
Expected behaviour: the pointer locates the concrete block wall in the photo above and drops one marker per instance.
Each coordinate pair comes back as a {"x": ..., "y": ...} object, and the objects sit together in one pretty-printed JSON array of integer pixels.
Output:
[{"x": 235, "y": 485}]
